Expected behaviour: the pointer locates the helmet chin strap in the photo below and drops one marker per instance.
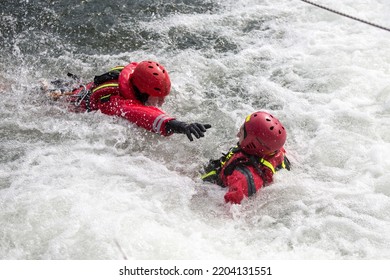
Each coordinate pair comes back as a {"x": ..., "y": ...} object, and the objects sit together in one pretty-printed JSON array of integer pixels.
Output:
[{"x": 143, "y": 97}]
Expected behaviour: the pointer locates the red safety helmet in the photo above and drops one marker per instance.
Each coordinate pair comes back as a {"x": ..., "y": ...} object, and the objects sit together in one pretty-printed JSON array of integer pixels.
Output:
[
  {"x": 263, "y": 134},
  {"x": 151, "y": 78}
]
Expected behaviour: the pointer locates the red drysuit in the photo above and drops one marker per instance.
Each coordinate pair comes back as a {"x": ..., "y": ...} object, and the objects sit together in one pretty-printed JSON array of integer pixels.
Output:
[
  {"x": 116, "y": 97},
  {"x": 244, "y": 174}
]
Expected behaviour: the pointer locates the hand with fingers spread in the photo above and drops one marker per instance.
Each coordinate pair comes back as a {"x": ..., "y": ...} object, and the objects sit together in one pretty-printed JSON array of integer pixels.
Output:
[{"x": 190, "y": 129}]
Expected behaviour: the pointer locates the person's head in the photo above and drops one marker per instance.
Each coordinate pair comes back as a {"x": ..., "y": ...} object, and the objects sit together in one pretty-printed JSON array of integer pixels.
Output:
[
  {"x": 151, "y": 82},
  {"x": 261, "y": 134}
]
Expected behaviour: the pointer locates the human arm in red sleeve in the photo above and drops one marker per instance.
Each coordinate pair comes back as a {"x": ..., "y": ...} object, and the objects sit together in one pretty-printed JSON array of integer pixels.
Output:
[
  {"x": 151, "y": 118},
  {"x": 243, "y": 182},
  {"x": 148, "y": 117}
]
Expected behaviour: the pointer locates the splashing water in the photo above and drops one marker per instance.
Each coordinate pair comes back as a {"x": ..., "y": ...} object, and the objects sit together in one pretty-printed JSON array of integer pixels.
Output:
[{"x": 73, "y": 186}]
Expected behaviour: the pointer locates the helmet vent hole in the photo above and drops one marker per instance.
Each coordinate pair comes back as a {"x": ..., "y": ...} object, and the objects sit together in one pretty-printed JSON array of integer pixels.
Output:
[
  {"x": 157, "y": 64},
  {"x": 163, "y": 71},
  {"x": 271, "y": 128},
  {"x": 280, "y": 132},
  {"x": 158, "y": 89},
  {"x": 155, "y": 74},
  {"x": 255, "y": 115},
  {"x": 267, "y": 119},
  {"x": 251, "y": 146},
  {"x": 151, "y": 67}
]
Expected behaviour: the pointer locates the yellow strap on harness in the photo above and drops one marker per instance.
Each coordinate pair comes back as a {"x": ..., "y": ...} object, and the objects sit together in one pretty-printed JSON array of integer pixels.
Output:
[
  {"x": 267, "y": 164},
  {"x": 105, "y": 98},
  {"x": 229, "y": 155},
  {"x": 211, "y": 173},
  {"x": 117, "y": 68},
  {"x": 105, "y": 85}
]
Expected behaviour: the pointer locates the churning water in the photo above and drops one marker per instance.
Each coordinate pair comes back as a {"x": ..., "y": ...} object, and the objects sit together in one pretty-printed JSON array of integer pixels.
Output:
[{"x": 73, "y": 186}]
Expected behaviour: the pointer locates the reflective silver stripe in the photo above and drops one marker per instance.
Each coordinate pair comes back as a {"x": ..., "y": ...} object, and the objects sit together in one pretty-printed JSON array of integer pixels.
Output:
[{"x": 158, "y": 123}]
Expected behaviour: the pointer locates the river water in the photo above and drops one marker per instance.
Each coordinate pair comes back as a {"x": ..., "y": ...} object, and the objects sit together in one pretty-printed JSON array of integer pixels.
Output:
[{"x": 87, "y": 185}]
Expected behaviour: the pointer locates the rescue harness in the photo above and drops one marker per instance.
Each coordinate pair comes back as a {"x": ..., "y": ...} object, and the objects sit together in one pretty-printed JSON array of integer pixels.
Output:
[
  {"x": 98, "y": 83},
  {"x": 214, "y": 168}
]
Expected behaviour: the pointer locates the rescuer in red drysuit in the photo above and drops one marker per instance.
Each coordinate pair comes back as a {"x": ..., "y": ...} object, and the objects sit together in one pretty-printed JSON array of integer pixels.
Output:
[
  {"x": 251, "y": 164},
  {"x": 132, "y": 92}
]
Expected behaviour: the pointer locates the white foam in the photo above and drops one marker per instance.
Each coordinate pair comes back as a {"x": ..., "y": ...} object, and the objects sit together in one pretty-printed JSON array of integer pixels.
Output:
[{"x": 72, "y": 184}]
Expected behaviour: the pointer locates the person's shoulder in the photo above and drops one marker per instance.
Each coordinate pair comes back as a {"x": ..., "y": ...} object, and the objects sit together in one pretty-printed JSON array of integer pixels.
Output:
[{"x": 132, "y": 64}]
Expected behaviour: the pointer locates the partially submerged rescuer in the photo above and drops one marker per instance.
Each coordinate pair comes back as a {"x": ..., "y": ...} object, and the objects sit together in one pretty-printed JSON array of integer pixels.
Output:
[
  {"x": 132, "y": 92},
  {"x": 251, "y": 164}
]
